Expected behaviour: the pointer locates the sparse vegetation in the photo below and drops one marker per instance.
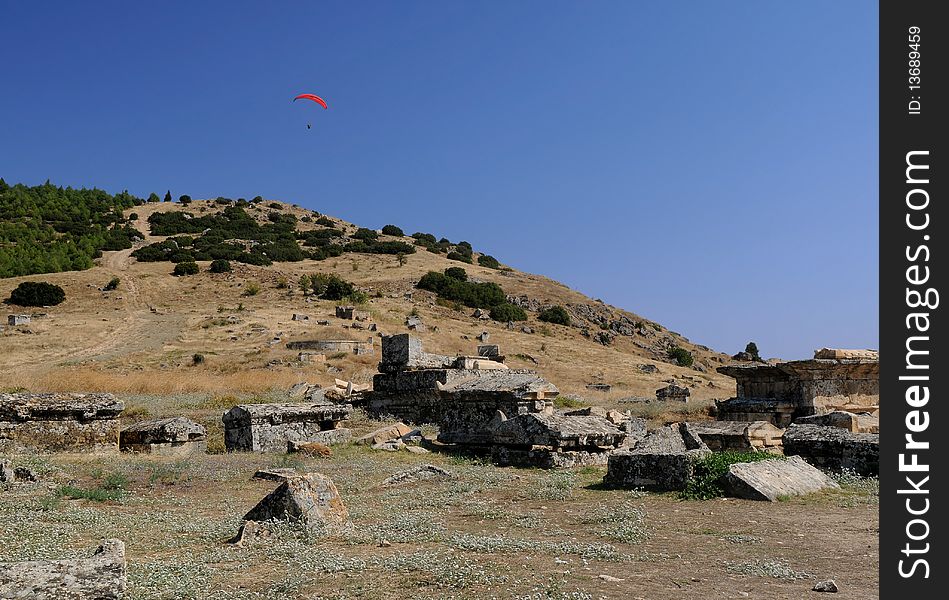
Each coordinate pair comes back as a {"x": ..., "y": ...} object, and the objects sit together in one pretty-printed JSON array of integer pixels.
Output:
[
  {"x": 220, "y": 265},
  {"x": 486, "y": 260},
  {"x": 251, "y": 288},
  {"x": 112, "y": 285},
  {"x": 506, "y": 311},
  {"x": 709, "y": 472},
  {"x": 37, "y": 293},
  {"x": 752, "y": 349},
  {"x": 185, "y": 268},
  {"x": 393, "y": 230},
  {"x": 682, "y": 356},
  {"x": 475, "y": 295}
]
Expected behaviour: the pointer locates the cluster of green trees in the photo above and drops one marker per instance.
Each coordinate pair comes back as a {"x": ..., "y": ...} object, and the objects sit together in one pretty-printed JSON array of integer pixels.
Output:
[
  {"x": 37, "y": 293},
  {"x": 330, "y": 287},
  {"x": 453, "y": 285},
  {"x": 557, "y": 315},
  {"x": 682, "y": 356},
  {"x": 47, "y": 228}
]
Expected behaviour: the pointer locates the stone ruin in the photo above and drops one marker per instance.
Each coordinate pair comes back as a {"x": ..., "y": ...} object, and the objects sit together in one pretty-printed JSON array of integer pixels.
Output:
[
  {"x": 103, "y": 576},
  {"x": 174, "y": 436},
  {"x": 834, "y": 449},
  {"x": 834, "y": 380},
  {"x": 673, "y": 393},
  {"x": 15, "y": 320},
  {"x": 349, "y": 346},
  {"x": 350, "y": 313},
  {"x": 739, "y": 436},
  {"x": 58, "y": 422},
  {"x": 662, "y": 460},
  {"x": 481, "y": 405},
  {"x": 270, "y": 427}
]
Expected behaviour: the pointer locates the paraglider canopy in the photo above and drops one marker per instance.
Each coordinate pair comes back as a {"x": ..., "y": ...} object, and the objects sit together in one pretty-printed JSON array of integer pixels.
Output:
[{"x": 312, "y": 97}]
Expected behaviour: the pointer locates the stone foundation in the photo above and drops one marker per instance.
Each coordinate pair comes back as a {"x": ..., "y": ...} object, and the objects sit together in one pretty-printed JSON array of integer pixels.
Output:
[
  {"x": 834, "y": 449},
  {"x": 59, "y": 422},
  {"x": 268, "y": 427},
  {"x": 175, "y": 436}
]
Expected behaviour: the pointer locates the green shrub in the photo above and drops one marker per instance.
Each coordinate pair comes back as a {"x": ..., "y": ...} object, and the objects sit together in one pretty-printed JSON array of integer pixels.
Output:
[
  {"x": 393, "y": 230},
  {"x": 457, "y": 273},
  {"x": 682, "y": 356},
  {"x": 454, "y": 255},
  {"x": 475, "y": 295},
  {"x": 37, "y": 293},
  {"x": 331, "y": 287},
  {"x": 486, "y": 260},
  {"x": 569, "y": 402},
  {"x": 197, "y": 359},
  {"x": 112, "y": 285},
  {"x": 366, "y": 235},
  {"x": 251, "y": 288},
  {"x": 185, "y": 199},
  {"x": 557, "y": 315},
  {"x": 185, "y": 268},
  {"x": 508, "y": 312},
  {"x": 752, "y": 349},
  {"x": 275, "y": 205},
  {"x": 325, "y": 222},
  {"x": 708, "y": 473},
  {"x": 424, "y": 237},
  {"x": 220, "y": 265}
]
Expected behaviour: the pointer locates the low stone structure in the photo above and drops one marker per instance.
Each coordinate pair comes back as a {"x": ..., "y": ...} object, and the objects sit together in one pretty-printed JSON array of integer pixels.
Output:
[
  {"x": 268, "y": 427},
  {"x": 345, "y": 312},
  {"x": 311, "y": 357},
  {"x": 174, "y": 436},
  {"x": 59, "y": 422},
  {"x": 775, "y": 478},
  {"x": 834, "y": 449},
  {"x": 100, "y": 577},
  {"x": 856, "y": 423},
  {"x": 739, "y": 436},
  {"x": 661, "y": 461},
  {"x": 781, "y": 392},
  {"x": 348, "y": 346},
  {"x": 18, "y": 320},
  {"x": 481, "y": 405},
  {"x": 299, "y": 317},
  {"x": 674, "y": 393}
]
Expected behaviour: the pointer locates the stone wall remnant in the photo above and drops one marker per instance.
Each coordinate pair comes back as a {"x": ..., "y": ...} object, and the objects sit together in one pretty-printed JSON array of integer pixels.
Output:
[
  {"x": 661, "y": 461},
  {"x": 174, "y": 436},
  {"x": 59, "y": 422},
  {"x": 102, "y": 576},
  {"x": 834, "y": 449},
  {"x": 268, "y": 427}
]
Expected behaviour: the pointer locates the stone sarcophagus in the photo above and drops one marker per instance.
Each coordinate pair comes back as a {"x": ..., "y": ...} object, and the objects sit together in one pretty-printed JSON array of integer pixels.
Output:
[
  {"x": 174, "y": 436},
  {"x": 268, "y": 427},
  {"x": 59, "y": 422}
]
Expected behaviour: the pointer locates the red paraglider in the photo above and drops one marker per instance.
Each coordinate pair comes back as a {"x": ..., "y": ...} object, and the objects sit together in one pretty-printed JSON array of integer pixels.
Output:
[{"x": 312, "y": 97}]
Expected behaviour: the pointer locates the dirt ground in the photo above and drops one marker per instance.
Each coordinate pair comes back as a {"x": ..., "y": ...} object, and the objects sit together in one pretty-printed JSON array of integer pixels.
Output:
[{"x": 488, "y": 532}]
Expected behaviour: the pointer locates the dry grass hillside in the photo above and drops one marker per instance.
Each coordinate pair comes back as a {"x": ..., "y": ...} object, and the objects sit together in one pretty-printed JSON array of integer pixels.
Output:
[{"x": 141, "y": 337}]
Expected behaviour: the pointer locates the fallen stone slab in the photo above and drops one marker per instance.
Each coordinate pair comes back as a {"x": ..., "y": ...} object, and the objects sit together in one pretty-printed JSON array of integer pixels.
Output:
[
  {"x": 834, "y": 449},
  {"x": 384, "y": 434},
  {"x": 556, "y": 431},
  {"x": 311, "y": 500},
  {"x": 829, "y": 586},
  {"x": 738, "y": 435},
  {"x": 775, "y": 478},
  {"x": 277, "y": 474},
  {"x": 100, "y": 577},
  {"x": 309, "y": 448},
  {"x": 853, "y": 422},
  {"x": 178, "y": 436},
  {"x": 424, "y": 472}
]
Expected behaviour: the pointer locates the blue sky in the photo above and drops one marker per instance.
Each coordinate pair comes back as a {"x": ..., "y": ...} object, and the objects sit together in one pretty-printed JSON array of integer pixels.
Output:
[{"x": 709, "y": 165}]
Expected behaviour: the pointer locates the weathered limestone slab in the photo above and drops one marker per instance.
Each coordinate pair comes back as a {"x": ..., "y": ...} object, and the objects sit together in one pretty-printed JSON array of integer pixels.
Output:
[
  {"x": 268, "y": 427},
  {"x": 100, "y": 577},
  {"x": 402, "y": 352},
  {"x": 775, "y": 478},
  {"x": 384, "y": 434},
  {"x": 661, "y": 461},
  {"x": 720, "y": 436},
  {"x": 834, "y": 449},
  {"x": 353, "y": 346},
  {"x": 841, "y": 353},
  {"x": 856, "y": 423},
  {"x": 547, "y": 458},
  {"x": 300, "y": 317},
  {"x": 177, "y": 436},
  {"x": 478, "y": 363},
  {"x": 489, "y": 350},
  {"x": 59, "y": 422},
  {"x": 15, "y": 320},
  {"x": 424, "y": 472},
  {"x": 555, "y": 431},
  {"x": 311, "y": 500},
  {"x": 345, "y": 312}
]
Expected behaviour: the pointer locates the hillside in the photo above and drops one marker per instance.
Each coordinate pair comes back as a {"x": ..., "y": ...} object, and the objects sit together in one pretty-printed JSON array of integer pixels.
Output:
[{"x": 142, "y": 336}]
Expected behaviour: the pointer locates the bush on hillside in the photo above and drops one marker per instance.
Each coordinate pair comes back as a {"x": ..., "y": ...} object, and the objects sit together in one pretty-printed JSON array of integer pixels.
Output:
[
  {"x": 465, "y": 258},
  {"x": 557, "y": 315},
  {"x": 37, "y": 293},
  {"x": 457, "y": 273},
  {"x": 488, "y": 261},
  {"x": 393, "y": 230},
  {"x": 708, "y": 475},
  {"x": 220, "y": 266},
  {"x": 185, "y": 268},
  {"x": 506, "y": 311},
  {"x": 475, "y": 295},
  {"x": 682, "y": 356}
]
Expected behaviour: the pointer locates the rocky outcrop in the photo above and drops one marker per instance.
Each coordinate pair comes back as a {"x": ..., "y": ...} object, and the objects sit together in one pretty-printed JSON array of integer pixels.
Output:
[
  {"x": 834, "y": 449},
  {"x": 100, "y": 577},
  {"x": 268, "y": 427},
  {"x": 59, "y": 422},
  {"x": 775, "y": 478},
  {"x": 178, "y": 436}
]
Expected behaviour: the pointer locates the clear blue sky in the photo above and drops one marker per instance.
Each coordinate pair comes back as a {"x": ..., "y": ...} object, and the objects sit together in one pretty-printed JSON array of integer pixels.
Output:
[{"x": 709, "y": 165}]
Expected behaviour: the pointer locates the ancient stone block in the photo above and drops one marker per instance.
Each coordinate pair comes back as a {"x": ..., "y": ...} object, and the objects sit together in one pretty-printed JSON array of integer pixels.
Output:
[
  {"x": 661, "y": 461},
  {"x": 59, "y": 422},
  {"x": 588, "y": 432},
  {"x": 15, "y": 320},
  {"x": 833, "y": 448},
  {"x": 779, "y": 413},
  {"x": 353, "y": 346},
  {"x": 489, "y": 350},
  {"x": 775, "y": 478},
  {"x": 856, "y": 423},
  {"x": 384, "y": 434},
  {"x": 268, "y": 427},
  {"x": 309, "y": 448},
  {"x": 311, "y": 500},
  {"x": 738, "y": 435},
  {"x": 547, "y": 458},
  {"x": 345, "y": 312},
  {"x": 840, "y": 353},
  {"x": 402, "y": 351},
  {"x": 673, "y": 392},
  {"x": 419, "y": 473},
  {"x": 299, "y": 317},
  {"x": 175, "y": 436},
  {"x": 470, "y": 362},
  {"x": 100, "y": 577}
]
